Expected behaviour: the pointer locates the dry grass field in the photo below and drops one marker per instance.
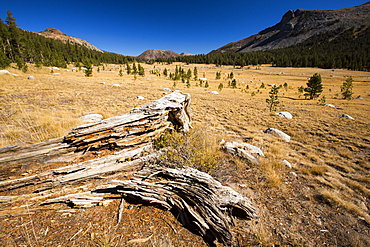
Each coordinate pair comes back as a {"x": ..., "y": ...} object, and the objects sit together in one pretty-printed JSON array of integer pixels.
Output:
[{"x": 322, "y": 200}]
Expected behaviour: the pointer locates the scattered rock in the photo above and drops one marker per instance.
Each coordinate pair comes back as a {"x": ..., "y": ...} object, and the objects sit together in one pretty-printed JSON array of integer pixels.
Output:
[
  {"x": 31, "y": 77},
  {"x": 271, "y": 85},
  {"x": 140, "y": 97},
  {"x": 285, "y": 114},
  {"x": 294, "y": 174},
  {"x": 4, "y": 72},
  {"x": 56, "y": 74},
  {"x": 55, "y": 68},
  {"x": 244, "y": 150},
  {"x": 287, "y": 163},
  {"x": 346, "y": 116},
  {"x": 214, "y": 92},
  {"x": 91, "y": 118},
  {"x": 103, "y": 83},
  {"x": 278, "y": 133},
  {"x": 166, "y": 89},
  {"x": 116, "y": 85},
  {"x": 330, "y": 105}
]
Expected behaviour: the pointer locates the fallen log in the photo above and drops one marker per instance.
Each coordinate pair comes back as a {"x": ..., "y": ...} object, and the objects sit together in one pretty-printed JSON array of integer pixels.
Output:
[
  {"x": 201, "y": 203},
  {"x": 94, "y": 155},
  {"x": 131, "y": 130}
]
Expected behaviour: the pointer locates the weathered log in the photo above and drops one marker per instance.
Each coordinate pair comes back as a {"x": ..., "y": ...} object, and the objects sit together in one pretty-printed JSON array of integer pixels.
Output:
[
  {"x": 201, "y": 203},
  {"x": 119, "y": 145},
  {"x": 134, "y": 129}
]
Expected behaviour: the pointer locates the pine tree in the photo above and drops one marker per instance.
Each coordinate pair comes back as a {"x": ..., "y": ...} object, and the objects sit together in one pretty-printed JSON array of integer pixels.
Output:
[
  {"x": 346, "y": 88},
  {"x": 134, "y": 69},
  {"x": 218, "y": 75},
  {"x": 195, "y": 73},
  {"x": 10, "y": 20},
  {"x": 273, "y": 100},
  {"x": 88, "y": 69},
  {"x": 128, "y": 67},
  {"x": 314, "y": 87}
]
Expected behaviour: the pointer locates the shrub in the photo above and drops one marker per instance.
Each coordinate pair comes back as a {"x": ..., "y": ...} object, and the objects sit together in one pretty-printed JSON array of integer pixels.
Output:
[{"x": 195, "y": 149}]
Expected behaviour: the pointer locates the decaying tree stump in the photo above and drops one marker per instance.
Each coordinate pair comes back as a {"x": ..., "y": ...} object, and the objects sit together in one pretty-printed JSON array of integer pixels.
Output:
[{"x": 121, "y": 144}]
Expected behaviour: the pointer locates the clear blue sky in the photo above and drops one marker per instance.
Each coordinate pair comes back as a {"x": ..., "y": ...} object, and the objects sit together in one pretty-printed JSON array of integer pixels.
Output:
[{"x": 130, "y": 27}]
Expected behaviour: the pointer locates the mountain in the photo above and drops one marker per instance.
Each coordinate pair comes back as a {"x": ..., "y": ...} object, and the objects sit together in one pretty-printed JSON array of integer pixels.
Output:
[
  {"x": 57, "y": 34},
  {"x": 153, "y": 54},
  {"x": 297, "y": 26}
]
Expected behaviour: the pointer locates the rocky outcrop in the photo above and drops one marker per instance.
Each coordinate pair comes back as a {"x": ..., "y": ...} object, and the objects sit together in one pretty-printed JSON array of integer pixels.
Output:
[
  {"x": 57, "y": 34},
  {"x": 153, "y": 54},
  {"x": 297, "y": 26}
]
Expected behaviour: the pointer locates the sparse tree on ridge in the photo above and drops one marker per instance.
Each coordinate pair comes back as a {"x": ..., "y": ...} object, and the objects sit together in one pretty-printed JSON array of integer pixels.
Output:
[
  {"x": 10, "y": 20},
  {"x": 314, "y": 87}
]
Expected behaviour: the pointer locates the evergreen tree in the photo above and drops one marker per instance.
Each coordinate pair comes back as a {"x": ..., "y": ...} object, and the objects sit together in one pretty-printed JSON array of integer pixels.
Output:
[
  {"x": 195, "y": 73},
  {"x": 273, "y": 100},
  {"x": 88, "y": 69},
  {"x": 10, "y": 20},
  {"x": 134, "y": 69},
  {"x": 233, "y": 83},
  {"x": 165, "y": 72},
  {"x": 220, "y": 86},
  {"x": 188, "y": 74},
  {"x": 314, "y": 87},
  {"x": 346, "y": 88},
  {"x": 128, "y": 68},
  {"x": 218, "y": 75},
  {"x": 141, "y": 70}
]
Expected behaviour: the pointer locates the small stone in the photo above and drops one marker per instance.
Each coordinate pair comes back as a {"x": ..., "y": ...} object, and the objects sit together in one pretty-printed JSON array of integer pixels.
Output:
[
  {"x": 330, "y": 105},
  {"x": 285, "y": 114},
  {"x": 285, "y": 162},
  {"x": 346, "y": 116},
  {"x": 91, "y": 118},
  {"x": 278, "y": 133}
]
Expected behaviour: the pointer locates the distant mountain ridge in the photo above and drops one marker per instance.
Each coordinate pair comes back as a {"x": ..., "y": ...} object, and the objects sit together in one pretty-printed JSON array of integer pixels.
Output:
[
  {"x": 57, "y": 34},
  {"x": 297, "y": 26},
  {"x": 153, "y": 54}
]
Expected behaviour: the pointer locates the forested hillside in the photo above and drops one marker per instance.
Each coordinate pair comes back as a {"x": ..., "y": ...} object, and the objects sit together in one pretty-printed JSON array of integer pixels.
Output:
[
  {"x": 19, "y": 46},
  {"x": 341, "y": 48}
]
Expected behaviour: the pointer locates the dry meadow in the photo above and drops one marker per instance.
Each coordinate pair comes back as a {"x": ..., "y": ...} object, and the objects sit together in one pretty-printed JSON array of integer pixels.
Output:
[{"x": 322, "y": 200}]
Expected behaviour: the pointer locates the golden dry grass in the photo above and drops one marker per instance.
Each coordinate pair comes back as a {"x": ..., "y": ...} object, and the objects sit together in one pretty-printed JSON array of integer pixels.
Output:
[{"x": 330, "y": 154}]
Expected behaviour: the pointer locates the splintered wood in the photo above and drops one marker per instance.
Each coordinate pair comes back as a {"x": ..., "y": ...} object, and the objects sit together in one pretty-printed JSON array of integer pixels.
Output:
[{"x": 97, "y": 156}]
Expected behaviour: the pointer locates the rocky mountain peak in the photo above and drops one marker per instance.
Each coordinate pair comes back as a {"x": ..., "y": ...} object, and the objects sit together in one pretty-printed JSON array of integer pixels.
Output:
[
  {"x": 53, "y": 31},
  {"x": 299, "y": 25}
]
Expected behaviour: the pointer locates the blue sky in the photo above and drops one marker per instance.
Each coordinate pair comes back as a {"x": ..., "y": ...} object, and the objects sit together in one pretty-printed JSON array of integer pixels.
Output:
[{"x": 131, "y": 27}]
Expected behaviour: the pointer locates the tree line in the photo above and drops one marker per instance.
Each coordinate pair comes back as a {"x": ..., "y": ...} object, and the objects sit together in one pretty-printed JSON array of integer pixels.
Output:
[
  {"x": 341, "y": 49},
  {"x": 21, "y": 47}
]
